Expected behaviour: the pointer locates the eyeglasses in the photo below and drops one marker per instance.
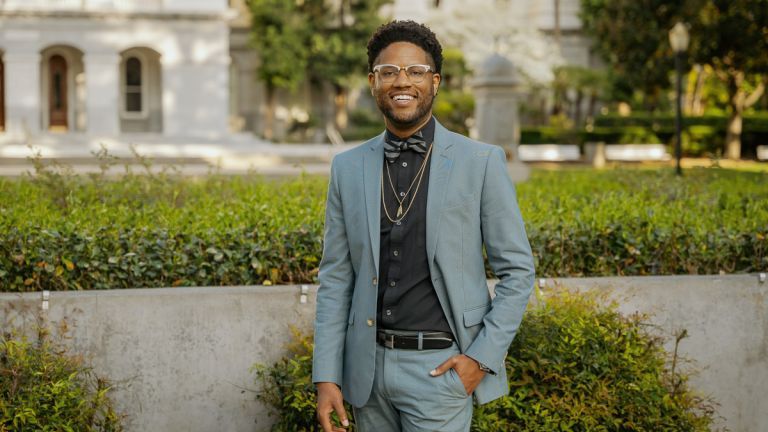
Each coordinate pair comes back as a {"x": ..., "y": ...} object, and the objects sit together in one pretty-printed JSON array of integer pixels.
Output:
[{"x": 389, "y": 72}]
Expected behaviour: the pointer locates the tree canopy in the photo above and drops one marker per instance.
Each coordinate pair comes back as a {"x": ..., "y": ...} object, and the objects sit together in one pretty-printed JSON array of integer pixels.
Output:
[
  {"x": 632, "y": 36},
  {"x": 731, "y": 36},
  {"x": 315, "y": 40}
]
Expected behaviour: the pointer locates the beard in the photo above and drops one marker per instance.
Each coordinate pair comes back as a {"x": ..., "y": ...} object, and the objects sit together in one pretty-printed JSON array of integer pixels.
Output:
[{"x": 407, "y": 119}]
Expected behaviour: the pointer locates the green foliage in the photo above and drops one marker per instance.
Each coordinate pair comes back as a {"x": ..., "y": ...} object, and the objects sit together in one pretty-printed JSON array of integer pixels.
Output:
[
  {"x": 279, "y": 34},
  {"x": 702, "y": 135},
  {"x": 735, "y": 40},
  {"x": 43, "y": 388},
  {"x": 548, "y": 135},
  {"x": 575, "y": 365},
  {"x": 364, "y": 125},
  {"x": 287, "y": 388},
  {"x": 632, "y": 37},
  {"x": 453, "y": 107},
  {"x": 638, "y": 135},
  {"x": 585, "y": 84},
  {"x": 340, "y": 34},
  {"x": 729, "y": 36},
  {"x": 757, "y": 122},
  {"x": 307, "y": 39},
  {"x": 164, "y": 230},
  {"x": 646, "y": 222},
  {"x": 455, "y": 104}
]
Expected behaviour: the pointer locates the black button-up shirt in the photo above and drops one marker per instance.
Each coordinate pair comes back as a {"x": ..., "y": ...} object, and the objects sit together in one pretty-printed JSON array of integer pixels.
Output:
[{"x": 407, "y": 298}]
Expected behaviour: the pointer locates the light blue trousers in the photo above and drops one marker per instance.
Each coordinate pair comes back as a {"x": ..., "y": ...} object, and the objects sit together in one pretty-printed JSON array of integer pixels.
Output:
[{"x": 406, "y": 398}]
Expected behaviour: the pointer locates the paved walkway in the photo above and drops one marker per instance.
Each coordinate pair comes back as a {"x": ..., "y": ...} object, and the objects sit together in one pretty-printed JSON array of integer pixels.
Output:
[{"x": 233, "y": 154}]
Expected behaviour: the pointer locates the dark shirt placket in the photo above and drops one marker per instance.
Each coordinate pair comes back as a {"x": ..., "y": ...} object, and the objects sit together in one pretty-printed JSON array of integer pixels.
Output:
[{"x": 407, "y": 299}]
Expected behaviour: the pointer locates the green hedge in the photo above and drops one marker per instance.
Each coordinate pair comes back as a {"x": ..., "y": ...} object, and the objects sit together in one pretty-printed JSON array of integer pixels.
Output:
[
  {"x": 77, "y": 233},
  {"x": 702, "y": 136},
  {"x": 42, "y": 388},
  {"x": 575, "y": 365},
  {"x": 757, "y": 122}
]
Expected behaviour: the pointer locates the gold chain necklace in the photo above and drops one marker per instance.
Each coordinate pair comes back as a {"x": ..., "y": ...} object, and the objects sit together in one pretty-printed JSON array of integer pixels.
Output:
[
  {"x": 419, "y": 176},
  {"x": 405, "y": 195}
]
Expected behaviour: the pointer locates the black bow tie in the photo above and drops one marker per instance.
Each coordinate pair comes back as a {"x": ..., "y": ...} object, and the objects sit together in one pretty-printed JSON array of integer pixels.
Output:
[{"x": 394, "y": 146}]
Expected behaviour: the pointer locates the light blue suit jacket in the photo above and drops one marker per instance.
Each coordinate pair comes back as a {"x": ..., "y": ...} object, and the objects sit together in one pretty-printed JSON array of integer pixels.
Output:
[{"x": 471, "y": 203}]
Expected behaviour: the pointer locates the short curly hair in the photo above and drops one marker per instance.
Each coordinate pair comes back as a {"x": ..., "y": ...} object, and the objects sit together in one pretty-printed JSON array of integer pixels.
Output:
[{"x": 405, "y": 31}]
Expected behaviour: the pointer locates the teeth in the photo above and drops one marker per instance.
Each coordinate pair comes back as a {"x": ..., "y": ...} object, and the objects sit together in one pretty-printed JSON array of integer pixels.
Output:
[{"x": 403, "y": 97}]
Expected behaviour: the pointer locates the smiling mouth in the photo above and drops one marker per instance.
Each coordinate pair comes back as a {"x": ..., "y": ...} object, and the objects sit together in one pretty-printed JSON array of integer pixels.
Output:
[{"x": 403, "y": 99}]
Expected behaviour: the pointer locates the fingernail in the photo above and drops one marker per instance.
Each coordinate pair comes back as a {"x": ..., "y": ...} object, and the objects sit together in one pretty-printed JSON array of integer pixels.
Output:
[
  {"x": 345, "y": 422},
  {"x": 433, "y": 372}
]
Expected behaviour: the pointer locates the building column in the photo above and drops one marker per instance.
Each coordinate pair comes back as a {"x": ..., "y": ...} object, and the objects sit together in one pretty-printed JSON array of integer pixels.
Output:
[
  {"x": 102, "y": 83},
  {"x": 22, "y": 93}
]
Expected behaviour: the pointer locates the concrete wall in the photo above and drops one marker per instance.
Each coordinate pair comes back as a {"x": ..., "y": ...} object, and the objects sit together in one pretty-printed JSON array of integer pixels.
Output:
[{"x": 181, "y": 356}]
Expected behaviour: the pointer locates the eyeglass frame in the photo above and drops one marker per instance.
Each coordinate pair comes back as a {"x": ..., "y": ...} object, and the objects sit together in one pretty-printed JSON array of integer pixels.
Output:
[{"x": 378, "y": 67}]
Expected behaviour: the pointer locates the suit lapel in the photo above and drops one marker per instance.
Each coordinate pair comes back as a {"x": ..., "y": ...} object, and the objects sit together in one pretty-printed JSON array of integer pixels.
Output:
[
  {"x": 373, "y": 160},
  {"x": 439, "y": 173}
]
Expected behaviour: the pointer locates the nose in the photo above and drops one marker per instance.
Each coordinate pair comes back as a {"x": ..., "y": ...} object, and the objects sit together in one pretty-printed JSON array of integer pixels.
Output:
[{"x": 401, "y": 80}]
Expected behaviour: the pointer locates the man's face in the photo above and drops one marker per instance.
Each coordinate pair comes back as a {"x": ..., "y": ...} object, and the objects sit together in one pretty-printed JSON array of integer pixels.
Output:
[{"x": 405, "y": 104}]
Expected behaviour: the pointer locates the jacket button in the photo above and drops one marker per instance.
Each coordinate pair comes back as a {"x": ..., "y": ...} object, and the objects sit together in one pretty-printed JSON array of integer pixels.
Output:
[{"x": 370, "y": 322}]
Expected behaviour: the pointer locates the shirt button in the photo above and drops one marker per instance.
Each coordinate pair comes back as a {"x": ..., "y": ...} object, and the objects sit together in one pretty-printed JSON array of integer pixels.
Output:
[
  {"x": 375, "y": 281},
  {"x": 369, "y": 322},
  {"x": 389, "y": 312},
  {"x": 405, "y": 164},
  {"x": 398, "y": 223},
  {"x": 402, "y": 193},
  {"x": 396, "y": 253},
  {"x": 393, "y": 283}
]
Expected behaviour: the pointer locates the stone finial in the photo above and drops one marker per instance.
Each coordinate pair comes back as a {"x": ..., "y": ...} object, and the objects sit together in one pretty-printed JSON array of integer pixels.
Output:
[{"x": 497, "y": 93}]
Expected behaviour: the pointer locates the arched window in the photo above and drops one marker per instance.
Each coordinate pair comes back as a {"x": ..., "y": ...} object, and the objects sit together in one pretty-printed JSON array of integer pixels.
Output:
[
  {"x": 58, "y": 96},
  {"x": 133, "y": 86},
  {"x": 2, "y": 95}
]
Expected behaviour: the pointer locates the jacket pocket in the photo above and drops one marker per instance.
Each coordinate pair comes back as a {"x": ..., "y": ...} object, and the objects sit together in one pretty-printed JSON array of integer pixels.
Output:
[{"x": 475, "y": 315}]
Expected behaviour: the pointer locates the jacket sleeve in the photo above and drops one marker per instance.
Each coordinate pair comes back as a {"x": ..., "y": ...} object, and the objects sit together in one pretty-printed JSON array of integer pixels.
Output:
[
  {"x": 334, "y": 295},
  {"x": 510, "y": 257}
]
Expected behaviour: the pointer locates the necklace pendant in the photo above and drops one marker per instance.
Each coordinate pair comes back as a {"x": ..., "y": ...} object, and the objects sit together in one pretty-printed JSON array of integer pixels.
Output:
[{"x": 400, "y": 211}]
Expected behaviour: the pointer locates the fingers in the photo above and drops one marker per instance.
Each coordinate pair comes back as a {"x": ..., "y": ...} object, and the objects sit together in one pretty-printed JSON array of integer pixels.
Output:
[
  {"x": 338, "y": 406},
  {"x": 324, "y": 418},
  {"x": 444, "y": 367},
  {"x": 329, "y": 399}
]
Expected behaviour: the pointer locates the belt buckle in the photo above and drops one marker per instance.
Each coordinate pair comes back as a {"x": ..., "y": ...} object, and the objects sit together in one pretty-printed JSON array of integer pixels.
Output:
[{"x": 389, "y": 341}]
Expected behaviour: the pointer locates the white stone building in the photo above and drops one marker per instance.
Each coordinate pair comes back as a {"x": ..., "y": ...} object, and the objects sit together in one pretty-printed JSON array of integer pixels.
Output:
[
  {"x": 173, "y": 71},
  {"x": 109, "y": 68}
]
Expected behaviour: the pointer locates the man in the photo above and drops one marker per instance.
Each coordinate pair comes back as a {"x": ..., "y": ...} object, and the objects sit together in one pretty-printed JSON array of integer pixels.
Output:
[{"x": 406, "y": 329}]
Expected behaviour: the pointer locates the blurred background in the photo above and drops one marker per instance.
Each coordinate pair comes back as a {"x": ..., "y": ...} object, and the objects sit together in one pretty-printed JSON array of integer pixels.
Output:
[
  {"x": 186, "y": 78},
  {"x": 125, "y": 126}
]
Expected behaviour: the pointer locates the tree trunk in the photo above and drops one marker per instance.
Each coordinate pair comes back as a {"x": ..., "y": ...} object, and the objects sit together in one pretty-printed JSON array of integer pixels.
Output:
[
  {"x": 736, "y": 97},
  {"x": 577, "y": 107},
  {"x": 695, "y": 107},
  {"x": 340, "y": 104},
  {"x": 269, "y": 117},
  {"x": 591, "y": 107}
]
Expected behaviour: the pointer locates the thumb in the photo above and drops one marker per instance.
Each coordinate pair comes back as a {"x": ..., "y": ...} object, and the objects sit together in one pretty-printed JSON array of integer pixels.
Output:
[{"x": 443, "y": 368}]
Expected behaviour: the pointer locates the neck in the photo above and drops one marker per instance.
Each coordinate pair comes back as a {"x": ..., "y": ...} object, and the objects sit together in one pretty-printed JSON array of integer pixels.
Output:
[{"x": 405, "y": 132}]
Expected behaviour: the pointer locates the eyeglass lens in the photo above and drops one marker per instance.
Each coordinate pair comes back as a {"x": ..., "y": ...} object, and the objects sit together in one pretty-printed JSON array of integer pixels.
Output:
[{"x": 415, "y": 73}]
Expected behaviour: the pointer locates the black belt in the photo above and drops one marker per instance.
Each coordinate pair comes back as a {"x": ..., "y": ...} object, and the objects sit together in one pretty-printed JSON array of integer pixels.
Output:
[{"x": 410, "y": 340}]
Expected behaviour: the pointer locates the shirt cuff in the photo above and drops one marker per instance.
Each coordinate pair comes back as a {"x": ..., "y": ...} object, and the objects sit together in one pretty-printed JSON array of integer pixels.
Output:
[{"x": 483, "y": 367}]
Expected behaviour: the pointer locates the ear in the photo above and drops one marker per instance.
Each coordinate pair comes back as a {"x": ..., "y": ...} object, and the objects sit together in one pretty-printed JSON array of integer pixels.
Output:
[
  {"x": 371, "y": 81},
  {"x": 436, "y": 78}
]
